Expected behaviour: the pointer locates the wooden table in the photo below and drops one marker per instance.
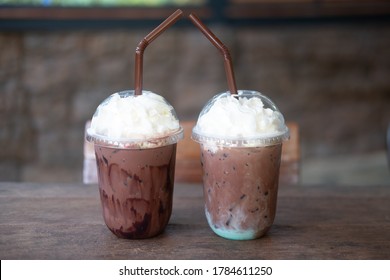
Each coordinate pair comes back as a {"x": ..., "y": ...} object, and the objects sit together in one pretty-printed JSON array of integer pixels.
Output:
[{"x": 64, "y": 221}]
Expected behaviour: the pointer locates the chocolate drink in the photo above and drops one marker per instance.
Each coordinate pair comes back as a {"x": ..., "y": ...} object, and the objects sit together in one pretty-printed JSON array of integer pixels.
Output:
[
  {"x": 241, "y": 138},
  {"x": 240, "y": 189},
  {"x": 136, "y": 188},
  {"x": 135, "y": 140}
]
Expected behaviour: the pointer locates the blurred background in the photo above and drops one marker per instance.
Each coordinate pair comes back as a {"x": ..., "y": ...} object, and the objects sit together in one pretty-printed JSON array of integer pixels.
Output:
[{"x": 326, "y": 64}]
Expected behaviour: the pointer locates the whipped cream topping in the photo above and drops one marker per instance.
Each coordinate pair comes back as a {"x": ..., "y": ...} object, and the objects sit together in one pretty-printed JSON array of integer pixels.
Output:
[
  {"x": 125, "y": 116},
  {"x": 240, "y": 117}
]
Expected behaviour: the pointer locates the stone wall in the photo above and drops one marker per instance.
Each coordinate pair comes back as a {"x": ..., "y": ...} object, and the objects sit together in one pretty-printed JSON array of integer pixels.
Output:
[{"x": 333, "y": 79}]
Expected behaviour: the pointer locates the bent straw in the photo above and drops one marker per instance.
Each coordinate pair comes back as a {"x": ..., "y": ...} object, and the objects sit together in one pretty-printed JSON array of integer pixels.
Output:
[
  {"x": 139, "y": 52},
  {"x": 222, "y": 48}
]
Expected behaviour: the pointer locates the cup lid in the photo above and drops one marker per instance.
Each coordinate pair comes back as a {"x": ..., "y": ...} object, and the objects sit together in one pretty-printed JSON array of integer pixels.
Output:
[
  {"x": 128, "y": 121},
  {"x": 245, "y": 119}
]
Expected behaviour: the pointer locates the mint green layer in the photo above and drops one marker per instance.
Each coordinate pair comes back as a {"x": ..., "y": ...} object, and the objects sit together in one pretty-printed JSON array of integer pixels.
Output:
[{"x": 230, "y": 233}]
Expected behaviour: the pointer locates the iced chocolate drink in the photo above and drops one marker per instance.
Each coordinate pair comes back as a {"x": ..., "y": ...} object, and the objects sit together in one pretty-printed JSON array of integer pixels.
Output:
[
  {"x": 135, "y": 140},
  {"x": 136, "y": 187},
  {"x": 241, "y": 141}
]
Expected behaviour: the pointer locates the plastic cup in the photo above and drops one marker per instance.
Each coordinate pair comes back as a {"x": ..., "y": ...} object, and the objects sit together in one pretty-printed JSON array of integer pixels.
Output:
[
  {"x": 136, "y": 178},
  {"x": 240, "y": 174}
]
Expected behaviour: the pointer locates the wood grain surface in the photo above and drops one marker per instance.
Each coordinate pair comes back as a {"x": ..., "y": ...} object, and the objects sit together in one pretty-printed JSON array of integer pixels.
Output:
[{"x": 64, "y": 221}]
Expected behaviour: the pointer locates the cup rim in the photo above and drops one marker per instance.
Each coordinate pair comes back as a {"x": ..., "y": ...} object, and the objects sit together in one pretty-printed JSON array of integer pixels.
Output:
[
  {"x": 136, "y": 143},
  {"x": 255, "y": 141}
]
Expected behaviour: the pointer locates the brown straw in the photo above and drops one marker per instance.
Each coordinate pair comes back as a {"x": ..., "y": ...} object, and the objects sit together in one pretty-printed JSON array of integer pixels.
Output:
[
  {"x": 139, "y": 52},
  {"x": 223, "y": 49}
]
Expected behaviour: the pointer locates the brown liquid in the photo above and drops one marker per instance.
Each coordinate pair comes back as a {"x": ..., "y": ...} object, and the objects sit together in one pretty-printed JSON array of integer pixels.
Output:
[
  {"x": 240, "y": 189},
  {"x": 136, "y": 188}
]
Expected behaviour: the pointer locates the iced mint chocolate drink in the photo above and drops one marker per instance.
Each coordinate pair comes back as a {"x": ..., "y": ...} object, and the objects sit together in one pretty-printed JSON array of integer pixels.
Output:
[
  {"x": 241, "y": 140},
  {"x": 135, "y": 140}
]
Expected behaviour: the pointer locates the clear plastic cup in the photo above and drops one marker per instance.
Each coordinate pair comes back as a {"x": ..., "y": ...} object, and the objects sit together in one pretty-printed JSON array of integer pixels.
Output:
[
  {"x": 240, "y": 172},
  {"x": 135, "y": 176}
]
